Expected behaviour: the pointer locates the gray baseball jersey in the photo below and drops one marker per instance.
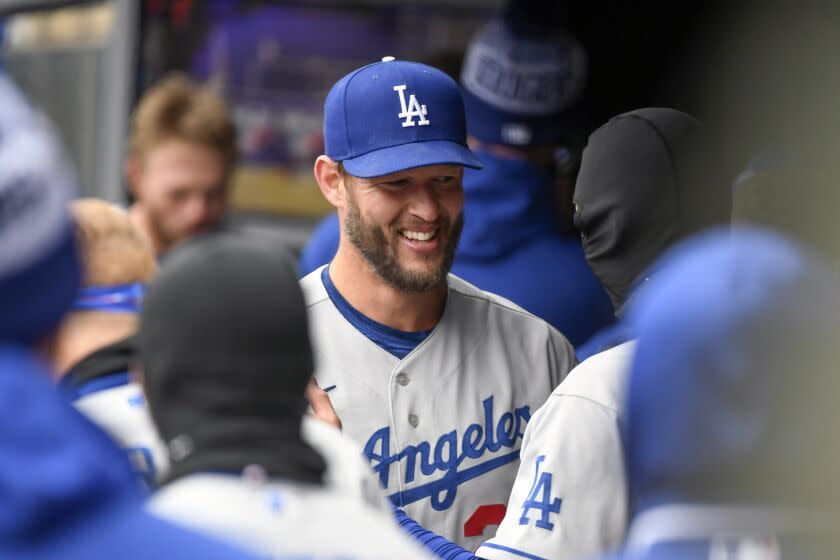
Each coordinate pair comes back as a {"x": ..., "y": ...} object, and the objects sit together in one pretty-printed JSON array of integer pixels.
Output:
[
  {"x": 570, "y": 495},
  {"x": 122, "y": 413},
  {"x": 442, "y": 427},
  {"x": 283, "y": 520}
]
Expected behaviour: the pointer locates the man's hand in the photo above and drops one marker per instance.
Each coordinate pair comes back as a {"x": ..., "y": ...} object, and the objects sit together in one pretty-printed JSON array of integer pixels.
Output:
[{"x": 322, "y": 408}]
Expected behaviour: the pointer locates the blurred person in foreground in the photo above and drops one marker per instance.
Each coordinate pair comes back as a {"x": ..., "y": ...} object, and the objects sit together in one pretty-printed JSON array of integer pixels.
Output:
[
  {"x": 68, "y": 492},
  {"x": 226, "y": 360},
  {"x": 512, "y": 243},
  {"x": 182, "y": 154},
  {"x": 644, "y": 184},
  {"x": 731, "y": 408},
  {"x": 93, "y": 349}
]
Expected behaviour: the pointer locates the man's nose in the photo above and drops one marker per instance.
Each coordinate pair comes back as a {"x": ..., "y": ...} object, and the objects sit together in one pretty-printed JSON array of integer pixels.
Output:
[
  {"x": 198, "y": 211},
  {"x": 425, "y": 203}
]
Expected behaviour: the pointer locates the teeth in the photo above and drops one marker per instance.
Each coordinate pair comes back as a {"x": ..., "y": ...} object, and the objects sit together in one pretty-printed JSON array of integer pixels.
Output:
[{"x": 419, "y": 235}]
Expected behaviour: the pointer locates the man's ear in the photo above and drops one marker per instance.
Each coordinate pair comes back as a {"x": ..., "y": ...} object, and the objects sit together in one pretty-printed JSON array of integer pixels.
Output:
[{"x": 331, "y": 181}]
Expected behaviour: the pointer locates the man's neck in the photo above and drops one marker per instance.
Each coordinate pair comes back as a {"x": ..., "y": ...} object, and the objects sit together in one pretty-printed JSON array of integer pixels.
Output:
[
  {"x": 374, "y": 298},
  {"x": 140, "y": 220}
]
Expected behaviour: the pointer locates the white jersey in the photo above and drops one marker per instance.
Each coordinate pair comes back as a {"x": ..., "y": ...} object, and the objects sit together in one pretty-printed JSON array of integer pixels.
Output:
[
  {"x": 570, "y": 496},
  {"x": 443, "y": 426},
  {"x": 122, "y": 413},
  {"x": 283, "y": 520},
  {"x": 347, "y": 471}
]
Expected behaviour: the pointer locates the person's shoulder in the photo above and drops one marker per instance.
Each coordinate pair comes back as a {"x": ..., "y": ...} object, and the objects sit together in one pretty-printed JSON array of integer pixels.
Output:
[
  {"x": 313, "y": 288},
  {"x": 601, "y": 378},
  {"x": 131, "y": 533},
  {"x": 469, "y": 293},
  {"x": 500, "y": 310}
]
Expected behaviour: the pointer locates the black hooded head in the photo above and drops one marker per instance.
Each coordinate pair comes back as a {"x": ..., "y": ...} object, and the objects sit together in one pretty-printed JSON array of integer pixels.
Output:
[
  {"x": 647, "y": 179},
  {"x": 226, "y": 356}
]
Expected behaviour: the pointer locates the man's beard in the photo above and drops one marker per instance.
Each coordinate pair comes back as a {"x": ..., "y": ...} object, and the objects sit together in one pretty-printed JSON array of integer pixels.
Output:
[{"x": 371, "y": 242}]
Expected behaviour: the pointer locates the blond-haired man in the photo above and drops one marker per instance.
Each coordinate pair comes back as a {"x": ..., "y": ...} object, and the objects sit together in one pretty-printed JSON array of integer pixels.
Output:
[{"x": 182, "y": 152}]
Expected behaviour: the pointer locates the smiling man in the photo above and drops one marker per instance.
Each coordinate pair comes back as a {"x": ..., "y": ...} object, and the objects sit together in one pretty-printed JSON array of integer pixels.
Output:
[{"x": 435, "y": 378}]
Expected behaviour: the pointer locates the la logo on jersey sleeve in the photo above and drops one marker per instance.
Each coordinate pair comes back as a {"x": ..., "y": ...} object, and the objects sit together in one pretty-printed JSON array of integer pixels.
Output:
[
  {"x": 540, "y": 499},
  {"x": 412, "y": 109}
]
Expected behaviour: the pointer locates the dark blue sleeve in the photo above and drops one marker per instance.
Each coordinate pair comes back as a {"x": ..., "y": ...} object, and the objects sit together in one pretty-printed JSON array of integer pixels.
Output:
[
  {"x": 321, "y": 247},
  {"x": 612, "y": 336},
  {"x": 437, "y": 545}
]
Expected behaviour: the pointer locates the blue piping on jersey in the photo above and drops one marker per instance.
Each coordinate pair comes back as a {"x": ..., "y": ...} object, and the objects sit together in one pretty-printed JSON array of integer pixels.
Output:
[
  {"x": 437, "y": 545},
  {"x": 95, "y": 385},
  {"x": 513, "y": 551},
  {"x": 121, "y": 298},
  {"x": 431, "y": 489},
  {"x": 394, "y": 341}
]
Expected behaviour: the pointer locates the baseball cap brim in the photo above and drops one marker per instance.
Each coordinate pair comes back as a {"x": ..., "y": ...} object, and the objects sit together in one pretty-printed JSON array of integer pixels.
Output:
[{"x": 408, "y": 156}]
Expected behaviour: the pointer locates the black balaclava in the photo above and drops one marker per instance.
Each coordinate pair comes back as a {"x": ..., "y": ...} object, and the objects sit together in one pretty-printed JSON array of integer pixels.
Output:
[
  {"x": 646, "y": 180},
  {"x": 226, "y": 355}
]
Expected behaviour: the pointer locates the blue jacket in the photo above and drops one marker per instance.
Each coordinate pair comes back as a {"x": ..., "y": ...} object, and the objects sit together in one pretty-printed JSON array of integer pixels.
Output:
[
  {"x": 509, "y": 247},
  {"x": 67, "y": 492}
]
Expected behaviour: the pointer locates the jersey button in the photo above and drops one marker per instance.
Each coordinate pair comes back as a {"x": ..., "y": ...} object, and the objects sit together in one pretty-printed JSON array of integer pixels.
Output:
[
  {"x": 402, "y": 379},
  {"x": 413, "y": 420}
]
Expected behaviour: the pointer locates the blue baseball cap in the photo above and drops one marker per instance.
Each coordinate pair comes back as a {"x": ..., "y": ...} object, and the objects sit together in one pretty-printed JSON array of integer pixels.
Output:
[{"x": 396, "y": 115}]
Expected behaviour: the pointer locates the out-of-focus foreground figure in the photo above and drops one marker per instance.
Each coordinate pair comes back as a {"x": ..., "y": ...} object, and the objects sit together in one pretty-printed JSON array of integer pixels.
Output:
[
  {"x": 731, "y": 408},
  {"x": 68, "y": 492},
  {"x": 182, "y": 153}
]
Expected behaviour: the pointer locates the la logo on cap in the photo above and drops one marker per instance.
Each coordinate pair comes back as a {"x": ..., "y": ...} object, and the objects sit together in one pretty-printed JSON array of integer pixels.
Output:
[{"x": 414, "y": 109}]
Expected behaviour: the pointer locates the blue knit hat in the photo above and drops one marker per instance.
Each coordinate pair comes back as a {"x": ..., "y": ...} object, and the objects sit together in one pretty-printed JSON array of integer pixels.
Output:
[
  {"x": 520, "y": 90},
  {"x": 39, "y": 269},
  {"x": 732, "y": 393}
]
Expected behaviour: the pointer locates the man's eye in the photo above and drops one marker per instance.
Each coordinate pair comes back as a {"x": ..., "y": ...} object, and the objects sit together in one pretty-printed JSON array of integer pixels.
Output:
[
  {"x": 397, "y": 184},
  {"x": 179, "y": 195},
  {"x": 445, "y": 179}
]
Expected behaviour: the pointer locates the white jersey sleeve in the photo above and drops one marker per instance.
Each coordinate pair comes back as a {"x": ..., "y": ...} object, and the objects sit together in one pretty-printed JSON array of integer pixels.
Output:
[
  {"x": 123, "y": 414},
  {"x": 284, "y": 520},
  {"x": 569, "y": 499},
  {"x": 348, "y": 472}
]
